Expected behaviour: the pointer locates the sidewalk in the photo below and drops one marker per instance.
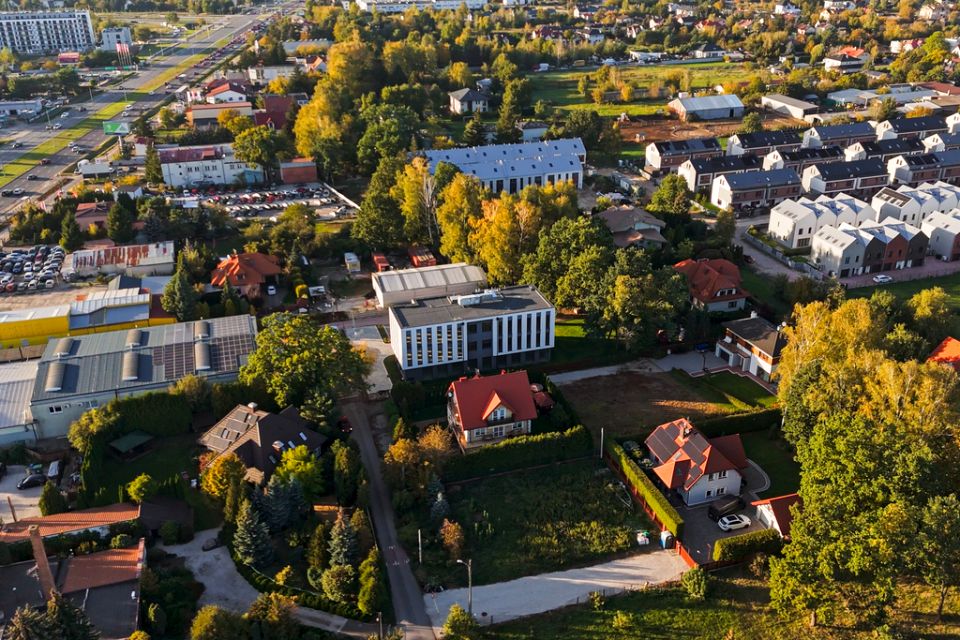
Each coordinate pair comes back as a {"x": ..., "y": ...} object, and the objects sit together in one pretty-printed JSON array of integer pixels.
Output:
[{"x": 494, "y": 603}]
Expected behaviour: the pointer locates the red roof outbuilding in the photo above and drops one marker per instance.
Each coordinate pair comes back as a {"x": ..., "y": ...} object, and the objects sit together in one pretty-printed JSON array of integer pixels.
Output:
[{"x": 948, "y": 353}]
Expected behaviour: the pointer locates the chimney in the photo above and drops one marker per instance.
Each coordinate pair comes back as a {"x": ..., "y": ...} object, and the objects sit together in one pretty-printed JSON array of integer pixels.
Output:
[
  {"x": 44, "y": 575},
  {"x": 252, "y": 406}
]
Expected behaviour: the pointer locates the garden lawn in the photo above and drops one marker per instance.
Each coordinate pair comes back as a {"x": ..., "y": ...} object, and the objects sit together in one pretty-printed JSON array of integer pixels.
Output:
[
  {"x": 167, "y": 457},
  {"x": 560, "y": 87},
  {"x": 904, "y": 290},
  {"x": 573, "y": 349},
  {"x": 741, "y": 388},
  {"x": 775, "y": 457},
  {"x": 544, "y": 520},
  {"x": 737, "y": 608},
  {"x": 630, "y": 404},
  {"x": 761, "y": 288}
]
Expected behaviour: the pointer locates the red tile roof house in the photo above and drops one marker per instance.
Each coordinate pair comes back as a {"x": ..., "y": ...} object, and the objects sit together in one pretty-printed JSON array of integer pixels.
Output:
[
  {"x": 947, "y": 353},
  {"x": 485, "y": 410},
  {"x": 98, "y": 519},
  {"x": 247, "y": 273},
  {"x": 698, "y": 469},
  {"x": 714, "y": 284},
  {"x": 774, "y": 513}
]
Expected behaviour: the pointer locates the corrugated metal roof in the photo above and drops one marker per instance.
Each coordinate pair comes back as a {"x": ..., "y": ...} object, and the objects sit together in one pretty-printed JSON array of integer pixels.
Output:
[
  {"x": 708, "y": 103},
  {"x": 166, "y": 353},
  {"x": 512, "y": 160},
  {"x": 428, "y": 277},
  {"x": 36, "y": 313},
  {"x": 16, "y": 386}
]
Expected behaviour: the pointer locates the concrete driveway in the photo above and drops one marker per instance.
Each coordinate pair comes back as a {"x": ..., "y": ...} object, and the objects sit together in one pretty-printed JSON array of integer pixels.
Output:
[
  {"x": 223, "y": 585},
  {"x": 528, "y": 596},
  {"x": 761, "y": 261},
  {"x": 24, "y": 502}
]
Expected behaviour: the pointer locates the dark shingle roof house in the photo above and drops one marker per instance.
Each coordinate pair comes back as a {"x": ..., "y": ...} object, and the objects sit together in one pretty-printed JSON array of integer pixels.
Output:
[{"x": 259, "y": 438}]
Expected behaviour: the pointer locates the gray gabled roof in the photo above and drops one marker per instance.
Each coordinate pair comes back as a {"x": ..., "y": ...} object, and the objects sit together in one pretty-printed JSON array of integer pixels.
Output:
[
  {"x": 869, "y": 168},
  {"x": 468, "y": 95},
  {"x": 708, "y": 103},
  {"x": 767, "y": 139},
  {"x": 766, "y": 179},
  {"x": 725, "y": 163},
  {"x": 837, "y": 131}
]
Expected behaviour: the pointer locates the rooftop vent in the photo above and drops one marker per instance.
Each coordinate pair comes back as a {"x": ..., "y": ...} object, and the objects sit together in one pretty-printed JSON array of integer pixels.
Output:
[
  {"x": 201, "y": 330},
  {"x": 54, "y": 380},
  {"x": 64, "y": 345},
  {"x": 134, "y": 337},
  {"x": 130, "y": 371},
  {"x": 201, "y": 356}
]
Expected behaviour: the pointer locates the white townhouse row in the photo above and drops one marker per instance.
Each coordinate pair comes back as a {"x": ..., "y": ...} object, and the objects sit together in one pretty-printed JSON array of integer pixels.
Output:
[
  {"x": 794, "y": 223},
  {"x": 914, "y": 204}
]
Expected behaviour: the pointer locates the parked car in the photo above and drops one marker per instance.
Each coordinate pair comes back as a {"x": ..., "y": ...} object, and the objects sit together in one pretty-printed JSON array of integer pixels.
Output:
[
  {"x": 734, "y": 522},
  {"x": 33, "y": 480},
  {"x": 725, "y": 507},
  {"x": 271, "y": 290},
  {"x": 882, "y": 279}
]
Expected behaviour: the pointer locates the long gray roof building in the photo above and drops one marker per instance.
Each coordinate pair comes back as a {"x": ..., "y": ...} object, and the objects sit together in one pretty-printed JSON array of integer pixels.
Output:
[
  {"x": 80, "y": 372},
  {"x": 511, "y": 167}
]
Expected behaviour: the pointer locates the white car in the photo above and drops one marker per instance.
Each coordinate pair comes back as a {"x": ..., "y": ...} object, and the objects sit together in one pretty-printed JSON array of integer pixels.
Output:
[
  {"x": 882, "y": 279},
  {"x": 734, "y": 522},
  {"x": 57, "y": 126},
  {"x": 271, "y": 290}
]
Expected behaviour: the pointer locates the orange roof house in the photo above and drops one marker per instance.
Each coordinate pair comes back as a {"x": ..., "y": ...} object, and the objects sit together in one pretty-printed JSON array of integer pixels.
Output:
[
  {"x": 246, "y": 272},
  {"x": 481, "y": 410},
  {"x": 948, "y": 353},
  {"x": 70, "y": 522},
  {"x": 697, "y": 468},
  {"x": 774, "y": 513},
  {"x": 714, "y": 285}
]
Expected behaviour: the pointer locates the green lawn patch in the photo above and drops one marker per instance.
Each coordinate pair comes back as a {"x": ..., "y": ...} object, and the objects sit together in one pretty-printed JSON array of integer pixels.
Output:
[
  {"x": 573, "y": 349},
  {"x": 536, "y": 521},
  {"x": 560, "y": 87},
  {"x": 775, "y": 457},
  {"x": 167, "y": 457},
  {"x": 760, "y": 286},
  {"x": 904, "y": 290},
  {"x": 744, "y": 389},
  {"x": 703, "y": 386}
]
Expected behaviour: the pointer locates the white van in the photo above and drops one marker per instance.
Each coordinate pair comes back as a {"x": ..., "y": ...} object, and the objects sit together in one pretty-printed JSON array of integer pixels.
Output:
[{"x": 54, "y": 470}]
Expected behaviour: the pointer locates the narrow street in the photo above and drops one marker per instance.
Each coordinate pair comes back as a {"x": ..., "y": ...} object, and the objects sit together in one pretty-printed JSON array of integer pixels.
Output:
[{"x": 408, "y": 603}]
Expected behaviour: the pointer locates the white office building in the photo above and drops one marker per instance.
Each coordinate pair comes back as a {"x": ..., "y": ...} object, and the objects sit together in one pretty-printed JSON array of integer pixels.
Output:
[
  {"x": 399, "y": 6},
  {"x": 112, "y": 36},
  {"x": 461, "y": 334},
  {"x": 46, "y": 32},
  {"x": 206, "y": 165},
  {"x": 511, "y": 167}
]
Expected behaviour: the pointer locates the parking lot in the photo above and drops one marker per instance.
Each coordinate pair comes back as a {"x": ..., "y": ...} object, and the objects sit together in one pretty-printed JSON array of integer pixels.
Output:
[
  {"x": 64, "y": 293},
  {"x": 269, "y": 203},
  {"x": 30, "y": 270},
  {"x": 25, "y": 502}
]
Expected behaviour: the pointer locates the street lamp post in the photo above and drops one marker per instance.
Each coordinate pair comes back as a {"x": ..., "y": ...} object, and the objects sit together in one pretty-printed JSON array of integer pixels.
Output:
[{"x": 469, "y": 565}]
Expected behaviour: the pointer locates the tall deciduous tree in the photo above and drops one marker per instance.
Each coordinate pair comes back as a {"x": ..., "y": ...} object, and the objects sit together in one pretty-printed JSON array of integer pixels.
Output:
[
  {"x": 380, "y": 221},
  {"x": 938, "y": 546},
  {"x": 301, "y": 465},
  {"x": 459, "y": 209},
  {"x": 257, "y": 145},
  {"x": 215, "y": 623},
  {"x": 296, "y": 355},
  {"x": 272, "y": 616},
  {"x": 414, "y": 192},
  {"x": 672, "y": 197},
  {"x": 51, "y": 501},
  {"x": 221, "y": 473},
  {"x": 556, "y": 250}
]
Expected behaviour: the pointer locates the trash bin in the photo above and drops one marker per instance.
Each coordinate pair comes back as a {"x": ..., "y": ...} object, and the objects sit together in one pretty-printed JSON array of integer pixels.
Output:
[{"x": 666, "y": 539}]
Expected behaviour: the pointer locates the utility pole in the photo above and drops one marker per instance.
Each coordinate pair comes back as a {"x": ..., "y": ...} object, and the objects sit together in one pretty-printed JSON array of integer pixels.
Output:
[{"x": 469, "y": 565}]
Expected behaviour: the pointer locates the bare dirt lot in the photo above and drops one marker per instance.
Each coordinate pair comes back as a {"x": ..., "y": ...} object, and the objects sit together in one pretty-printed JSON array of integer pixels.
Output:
[
  {"x": 632, "y": 403},
  {"x": 657, "y": 129}
]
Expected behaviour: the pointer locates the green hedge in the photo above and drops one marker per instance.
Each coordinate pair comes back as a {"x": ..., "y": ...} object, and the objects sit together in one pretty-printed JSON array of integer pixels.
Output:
[
  {"x": 740, "y": 423},
  {"x": 657, "y": 502},
  {"x": 159, "y": 414},
  {"x": 520, "y": 452},
  {"x": 740, "y": 547},
  {"x": 308, "y": 599}
]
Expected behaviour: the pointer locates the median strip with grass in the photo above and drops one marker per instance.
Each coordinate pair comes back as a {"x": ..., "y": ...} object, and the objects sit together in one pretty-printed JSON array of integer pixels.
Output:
[{"x": 58, "y": 143}]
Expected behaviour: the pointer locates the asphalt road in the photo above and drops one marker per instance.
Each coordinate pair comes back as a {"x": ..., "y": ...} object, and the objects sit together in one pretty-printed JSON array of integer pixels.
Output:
[
  {"x": 408, "y": 606},
  {"x": 32, "y": 135}
]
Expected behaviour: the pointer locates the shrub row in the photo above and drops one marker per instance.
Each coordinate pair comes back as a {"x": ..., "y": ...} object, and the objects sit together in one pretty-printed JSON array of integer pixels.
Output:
[
  {"x": 740, "y": 423},
  {"x": 657, "y": 502},
  {"x": 520, "y": 452},
  {"x": 264, "y": 584},
  {"x": 740, "y": 547}
]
